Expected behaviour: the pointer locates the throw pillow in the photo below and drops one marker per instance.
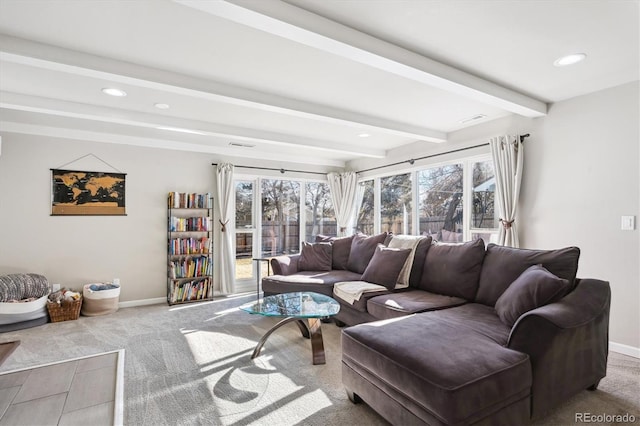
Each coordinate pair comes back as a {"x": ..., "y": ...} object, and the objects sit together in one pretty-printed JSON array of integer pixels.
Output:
[
  {"x": 341, "y": 250},
  {"x": 404, "y": 242},
  {"x": 362, "y": 249},
  {"x": 385, "y": 266},
  {"x": 502, "y": 265},
  {"x": 535, "y": 287},
  {"x": 315, "y": 257}
]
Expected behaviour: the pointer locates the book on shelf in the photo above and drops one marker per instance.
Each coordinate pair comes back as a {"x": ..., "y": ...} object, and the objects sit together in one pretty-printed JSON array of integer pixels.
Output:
[
  {"x": 191, "y": 290},
  {"x": 190, "y": 267},
  {"x": 190, "y": 224},
  {"x": 187, "y": 200},
  {"x": 184, "y": 246}
]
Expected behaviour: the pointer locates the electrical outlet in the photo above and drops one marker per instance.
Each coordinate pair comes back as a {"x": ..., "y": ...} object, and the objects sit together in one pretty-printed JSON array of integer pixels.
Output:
[{"x": 55, "y": 287}]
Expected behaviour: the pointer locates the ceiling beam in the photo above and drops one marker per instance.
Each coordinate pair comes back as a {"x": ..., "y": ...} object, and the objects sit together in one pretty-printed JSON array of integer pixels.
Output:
[
  {"x": 69, "y": 109},
  {"x": 148, "y": 142},
  {"x": 296, "y": 24},
  {"x": 50, "y": 57}
]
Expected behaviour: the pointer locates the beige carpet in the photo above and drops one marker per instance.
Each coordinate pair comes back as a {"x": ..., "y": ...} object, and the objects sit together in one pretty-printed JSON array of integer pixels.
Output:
[{"x": 190, "y": 364}]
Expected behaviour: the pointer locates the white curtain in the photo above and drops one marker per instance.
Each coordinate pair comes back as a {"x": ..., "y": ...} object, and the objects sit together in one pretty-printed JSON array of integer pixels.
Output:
[
  {"x": 344, "y": 190},
  {"x": 507, "y": 153},
  {"x": 225, "y": 195}
]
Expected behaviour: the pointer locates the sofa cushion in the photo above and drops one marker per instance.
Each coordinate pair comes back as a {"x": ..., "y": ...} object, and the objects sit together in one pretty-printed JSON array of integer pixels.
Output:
[
  {"x": 315, "y": 257},
  {"x": 385, "y": 266},
  {"x": 453, "y": 269},
  {"x": 341, "y": 250},
  {"x": 362, "y": 250},
  {"x": 316, "y": 281},
  {"x": 502, "y": 265},
  {"x": 408, "y": 302},
  {"x": 455, "y": 372},
  {"x": 535, "y": 287},
  {"x": 418, "y": 261}
]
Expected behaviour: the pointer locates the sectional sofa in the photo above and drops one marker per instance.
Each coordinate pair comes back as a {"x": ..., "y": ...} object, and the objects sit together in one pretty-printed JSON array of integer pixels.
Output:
[{"x": 472, "y": 335}]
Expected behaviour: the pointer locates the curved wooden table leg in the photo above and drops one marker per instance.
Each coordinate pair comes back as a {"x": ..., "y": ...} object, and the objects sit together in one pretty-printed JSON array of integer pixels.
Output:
[
  {"x": 311, "y": 331},
  {"x": 264, "y": 338},
  {"x": 317, "y": 345}
]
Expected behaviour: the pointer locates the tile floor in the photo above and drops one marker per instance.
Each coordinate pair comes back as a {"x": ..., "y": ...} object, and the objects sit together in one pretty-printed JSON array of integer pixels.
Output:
[{"x": 78, "y": 392}]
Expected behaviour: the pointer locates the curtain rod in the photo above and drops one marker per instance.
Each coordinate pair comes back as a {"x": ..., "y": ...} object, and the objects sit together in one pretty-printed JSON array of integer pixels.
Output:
[
  {"x": 413, "y": 160},
  {"x": 277, "y": 170}
]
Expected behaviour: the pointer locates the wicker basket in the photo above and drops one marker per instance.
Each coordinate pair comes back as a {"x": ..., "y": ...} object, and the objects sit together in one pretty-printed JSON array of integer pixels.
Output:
[{"x": 65, "y": 311}]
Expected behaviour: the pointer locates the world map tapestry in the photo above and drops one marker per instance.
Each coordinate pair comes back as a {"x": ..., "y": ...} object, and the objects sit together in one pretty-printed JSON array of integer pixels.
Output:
[{"x": 87, "y": 193}]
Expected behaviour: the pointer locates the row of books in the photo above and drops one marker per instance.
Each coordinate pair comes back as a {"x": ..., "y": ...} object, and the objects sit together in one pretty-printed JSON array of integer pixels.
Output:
[
  {"x": 191, "y": 290},
  {"x": 199, "y": 266},
  {"x": 187, "y": 200},
  {"x": 197, "y": 224},
  {"x": 189, "y": 246}
]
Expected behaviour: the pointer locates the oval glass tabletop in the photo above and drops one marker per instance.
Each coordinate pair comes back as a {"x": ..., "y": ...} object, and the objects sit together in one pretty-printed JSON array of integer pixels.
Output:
[{"x": 297, "y": 305}]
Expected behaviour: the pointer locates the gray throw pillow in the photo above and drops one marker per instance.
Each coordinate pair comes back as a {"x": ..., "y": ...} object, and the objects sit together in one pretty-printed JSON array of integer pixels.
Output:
[
  {"x": 315, "y": 257},
  {"x": 385, "y": 266},
  {"x": 341, "y": 250},
  {"x": 535, "y": 287},
  {"x": 362, "y": 249}
]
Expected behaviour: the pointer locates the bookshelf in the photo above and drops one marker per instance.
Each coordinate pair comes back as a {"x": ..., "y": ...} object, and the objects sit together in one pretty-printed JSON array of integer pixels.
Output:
[{"x": 189, "y": 247}]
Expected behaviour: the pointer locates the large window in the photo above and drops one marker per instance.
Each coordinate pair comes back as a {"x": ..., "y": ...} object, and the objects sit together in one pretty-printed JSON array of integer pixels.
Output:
[
  {"x": 280, "y": 217},
  {"x": 395, "y": 204},
  {"x": 366, "y": 212},
  {"x": 483, "y": 215},
  {"x": 320, "y": 217},
  {"x": 441, "y": 203},
  {"x": 245, "y": 230}
]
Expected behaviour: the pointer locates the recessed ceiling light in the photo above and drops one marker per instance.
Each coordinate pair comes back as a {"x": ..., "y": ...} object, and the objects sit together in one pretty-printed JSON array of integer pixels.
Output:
[
  {"x": 180, "y": 130},
  {"x": 474, "y": 118},
  {"x": 161, "y": 106},
  {"x": 574, "y": 58},
  {"x": 364, "y": 135},
  {"x": 111, "y": 91}
]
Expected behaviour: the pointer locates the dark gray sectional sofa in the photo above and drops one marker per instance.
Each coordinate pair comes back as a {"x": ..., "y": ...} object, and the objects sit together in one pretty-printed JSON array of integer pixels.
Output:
[{"x": 491, "y": 335}]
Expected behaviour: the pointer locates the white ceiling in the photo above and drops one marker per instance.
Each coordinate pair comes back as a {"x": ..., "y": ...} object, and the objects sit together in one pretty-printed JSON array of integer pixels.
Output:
[{"x": 300, "y": 80}]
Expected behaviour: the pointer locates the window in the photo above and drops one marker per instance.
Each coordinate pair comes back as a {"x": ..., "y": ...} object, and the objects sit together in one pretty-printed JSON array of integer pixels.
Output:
[
  {"x": 280, "y": 217},
  {"x": 483, "y": 218},
  {"x": 319, "y": 215},
  {"x": 245, "y": 230},
  {"x": 395, "y": 204},
  {"x": 441, "y": 202},
  {"x": 365, "y": 219}
]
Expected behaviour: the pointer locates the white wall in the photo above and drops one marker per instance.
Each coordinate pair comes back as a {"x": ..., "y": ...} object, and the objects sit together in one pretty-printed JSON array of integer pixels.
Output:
[
  {"x": 75, "y": 250},
  {"x": 580, "y": 176}
]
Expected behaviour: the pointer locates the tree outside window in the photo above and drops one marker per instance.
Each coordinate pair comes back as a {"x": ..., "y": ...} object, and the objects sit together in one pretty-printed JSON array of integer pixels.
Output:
[
  {"x": 365, "y": 219},
  {"x": 320, "y": 216},
  {"x": 395, "y": 204},
  {"x": 280, "y": 217},
  {"x": 441, "y": 208}
]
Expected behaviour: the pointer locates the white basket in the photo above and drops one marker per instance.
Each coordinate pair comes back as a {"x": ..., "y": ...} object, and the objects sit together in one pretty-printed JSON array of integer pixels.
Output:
[{"x": 101, "y": 302}]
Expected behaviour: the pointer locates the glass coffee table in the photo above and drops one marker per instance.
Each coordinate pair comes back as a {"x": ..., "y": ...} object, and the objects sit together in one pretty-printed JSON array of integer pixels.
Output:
[{"x": 296, "y": 307}]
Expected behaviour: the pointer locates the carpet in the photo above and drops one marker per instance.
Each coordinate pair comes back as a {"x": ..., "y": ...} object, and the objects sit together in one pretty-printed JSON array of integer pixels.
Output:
[
  {"x": 7, "y": 348},
  {"x": 191, "y": 364},
  {"x": 80, "y": 391}
]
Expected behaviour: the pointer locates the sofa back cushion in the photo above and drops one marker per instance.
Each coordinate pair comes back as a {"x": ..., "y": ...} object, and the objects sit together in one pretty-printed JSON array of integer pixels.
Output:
[
  {"x": 502, "y": 265},
  {"x": 315, "y": 257},
  {"x": 535, "y": 287},
  {"x": 418, "y": 246},
  {"x": 385, "y": 266},
  {"x": 362, "y": 250},
  {"x": 341, "y": 250},
  {"x": 418, "y": 261},
  {"x": 453, "y": 269}
]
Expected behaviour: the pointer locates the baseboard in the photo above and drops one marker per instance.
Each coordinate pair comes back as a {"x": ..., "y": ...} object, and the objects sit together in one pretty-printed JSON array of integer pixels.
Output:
[
  {"x": 142, "y": 302},
  {"x": 624, "y": 349}
]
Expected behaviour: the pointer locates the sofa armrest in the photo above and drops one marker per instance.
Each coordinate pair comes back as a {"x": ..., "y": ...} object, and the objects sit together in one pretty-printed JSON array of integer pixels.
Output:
[
  {"x": 285, "y": 265},
  {"x": 567, "y": 343}
]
